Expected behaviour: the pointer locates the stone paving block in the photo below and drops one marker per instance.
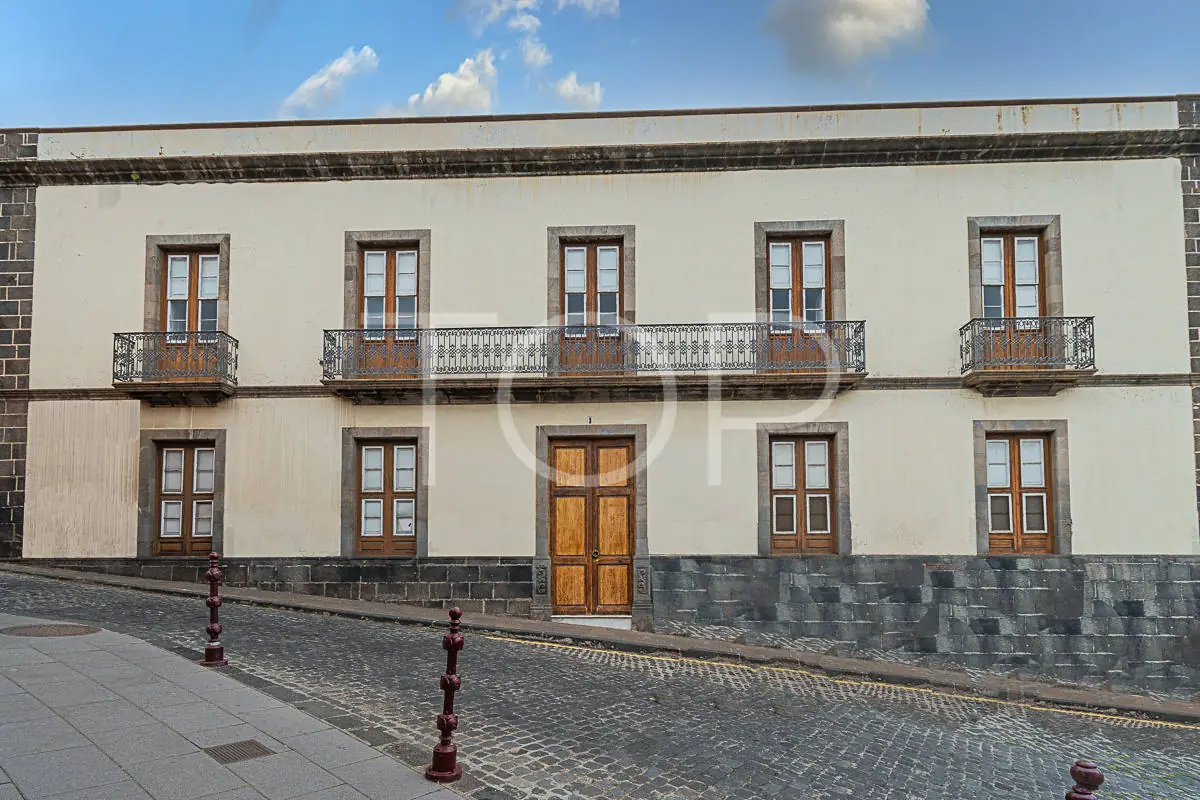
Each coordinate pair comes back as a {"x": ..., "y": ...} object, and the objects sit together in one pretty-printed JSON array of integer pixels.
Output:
[
  {"x": 284, "y": 722},
  {"x": 64, "y": 644},
  {"x": 7, "y": 687},
  {"x": 125, "y": 790},
  {"x": 26, "y": 675},
  {"x": 201, "y": 680},
  {"x": 110, "y": 715},
  {"x": 342, "y": 792},
  {"x": 9, "y": 792},
  {"x": 142, "y": 743},
  {"x": 22, "y": 707},
  {"x": 383, "y": 778},
  {"x": 183, "y": 777},
  {"x": 187, "y": 717},
  {"x": 38, "y": 736},
  {"x": 93, "y": 659},
  {"x": 112, "y": 677},
  {"x": 44, "y": 774},
  {"x": 156, "y": 694},
  {"x": 331, "y": 748},
  {"x": 236, "y": 794},
  {"x": 284, "y": 776},
  {"x": 19, "y": 656},
  {"x": 65, "y": 694},
  {"x": 240, "y": 700}
]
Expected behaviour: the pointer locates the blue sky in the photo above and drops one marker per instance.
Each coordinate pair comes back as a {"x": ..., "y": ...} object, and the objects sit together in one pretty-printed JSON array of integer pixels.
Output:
[{"x": 84, "y": 62}]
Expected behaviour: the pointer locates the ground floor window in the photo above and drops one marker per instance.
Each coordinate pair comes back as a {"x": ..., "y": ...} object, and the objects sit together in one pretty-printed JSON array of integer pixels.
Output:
[
  {"x": 802, "y": 490},
  {"x": 387, "y": 498},
  {"x": 1019, "y": 502},
  {"x": 186, "y": 497}
]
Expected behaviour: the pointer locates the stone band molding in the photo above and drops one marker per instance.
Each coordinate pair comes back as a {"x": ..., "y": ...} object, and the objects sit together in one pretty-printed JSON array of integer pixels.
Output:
[{"x": 609, "y": 159}]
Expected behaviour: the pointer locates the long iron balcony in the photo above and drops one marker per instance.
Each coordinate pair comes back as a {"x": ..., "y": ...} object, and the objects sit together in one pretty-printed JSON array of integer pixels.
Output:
[
  {"x": 750, "y": 347},
  {"x": 1027, "y": 355},
  {"x": 187, "y": 367}
]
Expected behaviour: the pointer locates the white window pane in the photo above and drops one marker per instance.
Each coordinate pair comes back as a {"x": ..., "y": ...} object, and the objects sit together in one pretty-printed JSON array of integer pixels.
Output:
[
  {"x": 1035, "y": 513},
  {"x": 202, "y": 513},
  {"x": 177, "y": 277},
  {"x": 816, "y": 465},
  {"x": 993, "y": 302},
  {"x": 781, "y": 276},
  {"x": 406, "y": 285},
  {"x": 576, "y": 281},
  {"x": 372, "y": 518},
  {"x": 403, "y": 521},
  {"x": 208, "y": 316},
  {"x": 606, "y": 311},
  {"x": 781, "y": 303},
  {"x": 406, "y": 262},
  {"x": 818, "y": 513},
  {"x": 208, "y": 277},
  {"x": 999, "y": 513},
  {"x": 1027, "y": 272},
  {"x": 997, "y": 463},
  {"x": 1033, "y": 470},
  {"x": 814, "y": 305},
  {"x": 177, "y": 316},
  {"x": 172, "y": 519},
  {"x": 814, "y": 264},
  {"x": 1026, "y": 249},
  {"x": 607, "y": 257},
  {"x": 606, "y": 280},
  {"x": 406, "y": 460},
  {"x": 783, "y": 462},
  {"x": 202, "y": 480},
  {"x": 372, "y": 468},
  {"x": 781, "y": 255},
  {"x": 373, "y": 313},
  {"x": 172, "y": 471},
  {"x": 993, "y": 262},
  {"x": 1027, "y": 301},
  {"x": 375, "y": 268},
  {"x": 784, "y": 513},
  {"x": 575, "y": 260}
]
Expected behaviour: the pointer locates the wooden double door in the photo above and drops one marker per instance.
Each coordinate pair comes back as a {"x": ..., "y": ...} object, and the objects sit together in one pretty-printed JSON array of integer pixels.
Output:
[{"x": 591, "y": 520}]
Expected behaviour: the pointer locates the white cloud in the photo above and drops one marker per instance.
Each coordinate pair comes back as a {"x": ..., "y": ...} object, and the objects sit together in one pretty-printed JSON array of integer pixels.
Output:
[
  {"x": 524, "y": 21},
  {"x": 485, "y": 13},
  {"x": 831, "y": 36},
  {"x": 470, "y": 88},
  {"x": 593, "y": 6},
  {"x": 577, "y": 95},
  {"x": 534, "y": 52},
  {"x": 320, "y": 88}
]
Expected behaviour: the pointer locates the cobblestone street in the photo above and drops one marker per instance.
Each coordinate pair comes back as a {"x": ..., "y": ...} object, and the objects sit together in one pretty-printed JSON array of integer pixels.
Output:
[{"x": 553, "y": 720}]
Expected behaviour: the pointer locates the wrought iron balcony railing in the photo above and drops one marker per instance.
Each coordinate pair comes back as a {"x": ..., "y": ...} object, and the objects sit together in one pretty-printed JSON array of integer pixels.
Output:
[
  {"x": 1010, "y": 343},
  {"x": 154, "y": 357},
  {"x": 794, "y": 347}
]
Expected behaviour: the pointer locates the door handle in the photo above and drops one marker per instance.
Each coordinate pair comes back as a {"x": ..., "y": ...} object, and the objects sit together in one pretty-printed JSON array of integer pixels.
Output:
[{"x": 595, "y": 554}]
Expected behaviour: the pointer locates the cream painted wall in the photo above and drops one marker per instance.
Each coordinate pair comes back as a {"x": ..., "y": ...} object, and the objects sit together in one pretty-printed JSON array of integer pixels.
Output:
[
  {"x": 563, "y": 131},
  {"x": 911, "y": 471},
  {"x": 81, "y": 479},
  {"x": 906, "y": 255}
]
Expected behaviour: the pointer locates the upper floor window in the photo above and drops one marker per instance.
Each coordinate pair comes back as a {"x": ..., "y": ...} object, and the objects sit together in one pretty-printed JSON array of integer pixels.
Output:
[
  {"x": 388, "y": 288},
  {"x": 591, "y": 284},
  {"x": 1013, "y": 278},
  {"x": 802, "y": 491},
  {"x": 799, "y": 280},
  {"x": 191, "y": 292},
  {"x": 1019, "y": 509}
]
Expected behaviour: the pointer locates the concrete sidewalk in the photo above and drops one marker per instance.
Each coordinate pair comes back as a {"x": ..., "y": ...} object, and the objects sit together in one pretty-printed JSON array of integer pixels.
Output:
[
  {"x": 995, "y": 686},
  {"x": 105, "y": 716}
]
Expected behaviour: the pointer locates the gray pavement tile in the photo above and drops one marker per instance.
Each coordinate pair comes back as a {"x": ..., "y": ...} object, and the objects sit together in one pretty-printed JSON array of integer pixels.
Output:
[
  {"x": 240, "y": 700},
  {"x": 331, "y": 748},
  {"x": 202, "y": 679},
  {"x": 342, "y": 792},
  {"x": 9, "y": 792},
  {"x": 143, "y": 743},
  {"x": 8, "y": 687},
  {"x": 236, "y": 794},
  {"x": 441, "y": 794},
  {"x": 43, "y": 774},
  {"x": 183, "y": 777},
  {"x": 94, "y": 659},
  {"x": 156, "y": 693},
  {"x": 170, "y": 666},
  {"x": 284, "y": 775},
  {"x": 383, "y": 778},
  {"x": 134, "y": 650},
  {"x": 39, "y": 672},
  {"x": 125, "y": 790},
  {"x": 127, "y": 675},
  {"x": 187, "y": 717},
  {"x": 38, "y": 736},
  {"x": 284, "y": 722},
  {"x": 21, "y": 655},
  {"x": 64, "y": 644},
  {"x": 22, "y": 707},
  {"x": 107, "y": 716},
  {"x": 65, "y": 694},
  {"x": 233, "y": 733}
]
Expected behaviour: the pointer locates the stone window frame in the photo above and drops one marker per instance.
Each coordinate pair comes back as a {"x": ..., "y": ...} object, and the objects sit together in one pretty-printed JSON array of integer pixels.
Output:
[
  {"x": 356, "y": 241},
  {"x": 557, "y": 236},
  {"x": 1060, "y": 476},
  {"x": 642, "y": 602},
  {"x": 150, "y": 441},
  {"x": 834, "y": 229},
  {"x": 158, "y": 247},
  {"x": 1047, "y": 226},
  {"x": 840, "y": 431},
  {"x": 349, "y": 501}
]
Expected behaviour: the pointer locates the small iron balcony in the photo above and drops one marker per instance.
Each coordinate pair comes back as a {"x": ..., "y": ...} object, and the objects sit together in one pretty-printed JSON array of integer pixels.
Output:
[
  {"x": 808, "y": 351},
  {"x": 184, "y": 368},
  {"x": 1027, "y": 355}
]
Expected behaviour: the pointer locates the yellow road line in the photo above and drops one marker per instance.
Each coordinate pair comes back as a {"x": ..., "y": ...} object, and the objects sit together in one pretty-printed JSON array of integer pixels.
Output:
[{"x": 848, "y": 682}]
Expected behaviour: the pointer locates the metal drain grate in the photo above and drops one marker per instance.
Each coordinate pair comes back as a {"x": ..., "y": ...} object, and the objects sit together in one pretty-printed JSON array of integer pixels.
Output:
[
  {"x": 238, "y": 751},
  {"x": 49, "y": 630}
]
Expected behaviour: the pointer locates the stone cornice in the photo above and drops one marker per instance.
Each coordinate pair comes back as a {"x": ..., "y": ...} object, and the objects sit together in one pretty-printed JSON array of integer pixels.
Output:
[{"x": 607, "y": 160}]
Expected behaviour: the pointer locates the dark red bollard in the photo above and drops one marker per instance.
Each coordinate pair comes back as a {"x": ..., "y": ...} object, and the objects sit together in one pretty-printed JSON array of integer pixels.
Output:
[
  {"x": 214, "y": 651},
  {"x": 1088, "y": 778},
  {"x": 445, "y": 768}
]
